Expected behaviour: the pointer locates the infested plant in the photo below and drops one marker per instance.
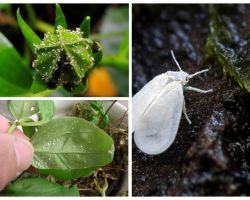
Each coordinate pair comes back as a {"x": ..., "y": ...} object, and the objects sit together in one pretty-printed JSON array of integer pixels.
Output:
[
  {"x": 65, "y": 147},
  {"x": 63, "y": 57}
]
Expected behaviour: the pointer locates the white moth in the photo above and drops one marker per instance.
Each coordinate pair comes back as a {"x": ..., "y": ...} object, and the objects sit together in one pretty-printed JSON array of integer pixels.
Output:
[{"x": 157, "y": 109}]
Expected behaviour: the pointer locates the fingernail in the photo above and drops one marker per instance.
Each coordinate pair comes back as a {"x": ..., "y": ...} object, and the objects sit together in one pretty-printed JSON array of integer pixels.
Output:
[{"x": 24, "y": 154}]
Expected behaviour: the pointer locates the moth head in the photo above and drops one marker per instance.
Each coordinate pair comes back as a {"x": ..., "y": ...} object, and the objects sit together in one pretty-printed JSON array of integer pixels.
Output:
[
  {"x": 183, "y": 76},
  {"x": 179, "y": 76}
]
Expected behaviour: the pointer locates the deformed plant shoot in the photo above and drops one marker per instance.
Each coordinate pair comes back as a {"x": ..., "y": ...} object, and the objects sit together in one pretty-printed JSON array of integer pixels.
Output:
[
  {"x": 63, "y": 57},
  {"x": 157, "y": 109}
]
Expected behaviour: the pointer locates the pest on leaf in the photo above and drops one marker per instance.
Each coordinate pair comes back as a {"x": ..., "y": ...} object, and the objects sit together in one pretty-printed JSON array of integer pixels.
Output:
[{"x": 157, "y": 109}]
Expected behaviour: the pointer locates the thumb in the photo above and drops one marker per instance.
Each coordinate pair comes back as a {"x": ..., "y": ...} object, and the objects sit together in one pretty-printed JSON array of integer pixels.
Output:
[
  {"x": 24, "y": 154},
  {"x": 16, "y": 155}
]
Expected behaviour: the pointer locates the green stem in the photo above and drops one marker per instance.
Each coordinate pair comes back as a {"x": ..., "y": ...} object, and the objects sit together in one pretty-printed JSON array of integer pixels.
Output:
[{"x": 12, "y": 128}]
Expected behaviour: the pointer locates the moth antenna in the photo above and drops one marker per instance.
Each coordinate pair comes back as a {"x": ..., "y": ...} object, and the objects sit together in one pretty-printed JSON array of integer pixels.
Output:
[
  {"x": 196, "y": 73},
  {"x": 172, "y": 53}
]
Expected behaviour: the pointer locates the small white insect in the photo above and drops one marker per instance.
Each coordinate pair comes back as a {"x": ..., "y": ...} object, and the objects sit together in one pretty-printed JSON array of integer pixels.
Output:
[{"x": 157, "y": 109}]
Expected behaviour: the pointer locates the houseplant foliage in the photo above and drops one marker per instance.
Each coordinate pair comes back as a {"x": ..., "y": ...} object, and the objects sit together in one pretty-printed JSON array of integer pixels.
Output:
[{"x": 66, "y": 148}]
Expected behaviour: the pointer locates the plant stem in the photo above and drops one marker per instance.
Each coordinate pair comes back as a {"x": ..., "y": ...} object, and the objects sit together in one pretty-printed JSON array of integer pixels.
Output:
[
  {"x": 106, "y": 112},
  {"x": 12, "y": 128}
]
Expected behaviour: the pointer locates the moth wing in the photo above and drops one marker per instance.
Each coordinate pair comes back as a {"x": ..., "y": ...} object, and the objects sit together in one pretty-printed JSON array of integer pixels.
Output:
[
  {"x": 157, "y": 127},
  {"x": 146, "y": 95}
]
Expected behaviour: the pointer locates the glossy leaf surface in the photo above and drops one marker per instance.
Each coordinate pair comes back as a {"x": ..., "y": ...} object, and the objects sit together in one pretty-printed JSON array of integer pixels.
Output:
[
  {"x": 60, "y": 18},
  {"x": 30, "y": 36},
  {"x": 21, "y": 109},
  {"x": 85, "y": 27},
  {"x": 46, "y": 113},
  {"x": 71, "y": 143},
  {"x": 12, "y": 65},
  {"x": 39, "y": 187},
  {"x": 69, "y": 174}
]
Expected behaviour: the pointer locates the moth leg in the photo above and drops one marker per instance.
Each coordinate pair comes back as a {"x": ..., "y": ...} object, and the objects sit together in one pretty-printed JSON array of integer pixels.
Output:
[
  {"x": 198, "y": 90},
  {"x": 185, "y": 113}
]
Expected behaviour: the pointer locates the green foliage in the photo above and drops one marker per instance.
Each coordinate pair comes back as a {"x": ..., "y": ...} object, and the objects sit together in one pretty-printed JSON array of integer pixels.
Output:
[
  {"x": 69, "y": 174},
  {"x": 5, "y": 6},
  {"x": 85, "y": 27},
  {"x": 38, "y": 187},
  {"x": 67, "y": 147},
  {"x": 23, "y": 109},
  {"x": 30, "y": 36},
  {"x": 60, "y": 18},
  {"x": 117, "y": 46},
  {"x": 63, "y": 58},
  {"x": 92, "y": 111},
  {"x": 12, "y": 65},
  {"x": 46, "y": 113},
  {"x": 58, "y": 66},
  {"x": 70, "y": 143},
  {"x": 29, "y": 130},
  {"x": 222, "y": 46}
]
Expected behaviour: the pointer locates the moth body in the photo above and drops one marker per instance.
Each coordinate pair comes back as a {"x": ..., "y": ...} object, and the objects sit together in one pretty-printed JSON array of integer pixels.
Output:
[{"x": 157, "y": 109}]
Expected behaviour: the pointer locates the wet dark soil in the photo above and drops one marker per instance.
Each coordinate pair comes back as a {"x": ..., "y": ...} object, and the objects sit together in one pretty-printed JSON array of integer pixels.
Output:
[{"x": 210, "y": 157}]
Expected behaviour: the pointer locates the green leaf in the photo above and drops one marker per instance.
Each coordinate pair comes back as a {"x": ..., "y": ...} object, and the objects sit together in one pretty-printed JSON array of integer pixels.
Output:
[
  {"x": 103, "y": 119},
  {"x": 29, "y": 130},
  {"x": 39, "y": 187},
  {"x": 30, "y": 36},
  {"x": 85, "y": 27},
  {"x": 15, "y": 75},
  {"x": 46, "y": 111},
  {"x": 60, "y": 18},
  {"x": 5, "y": 7},
  {"x": 21, "y": 109},
  {"x": 92, "y": 111},
  {"x": 37, "y": 86},
  {"x": 71, "y": 143},
  {"x": 69, "y": 174}
]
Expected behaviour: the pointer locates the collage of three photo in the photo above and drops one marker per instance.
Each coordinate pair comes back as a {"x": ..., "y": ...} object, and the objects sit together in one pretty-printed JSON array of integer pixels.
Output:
[{"x": 124, "y": 99}]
